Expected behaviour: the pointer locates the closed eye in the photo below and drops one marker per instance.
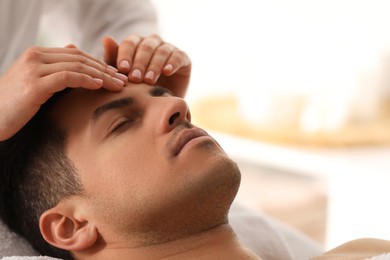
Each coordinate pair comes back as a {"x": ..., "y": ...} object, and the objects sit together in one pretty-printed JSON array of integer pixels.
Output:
[
  {"x": 122, "y": 125},
  {"x": 160, "y": 91}
]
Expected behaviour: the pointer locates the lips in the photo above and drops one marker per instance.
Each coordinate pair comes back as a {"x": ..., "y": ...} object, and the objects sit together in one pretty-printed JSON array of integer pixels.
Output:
[{"x": 186, "y": 137}]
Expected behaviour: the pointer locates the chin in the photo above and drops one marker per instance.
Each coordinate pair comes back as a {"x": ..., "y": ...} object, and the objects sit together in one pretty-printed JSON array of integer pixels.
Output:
[
  {"x": 198, "y": 205},
  {"x": 217, "y": 192},
  {"x": 196, "y": 197}
]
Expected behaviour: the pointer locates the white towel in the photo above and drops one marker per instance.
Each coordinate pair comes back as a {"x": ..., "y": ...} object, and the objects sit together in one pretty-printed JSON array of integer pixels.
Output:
[
  {"x": 265, "y": 237},
  {"x": 13, "y": 244},
  {"x": 380, "y": 257}
]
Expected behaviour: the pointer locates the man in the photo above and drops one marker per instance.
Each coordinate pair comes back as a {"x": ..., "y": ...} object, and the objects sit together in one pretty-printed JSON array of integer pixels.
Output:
[
  {"x": 71, "y": 185},
  {"x": 123, "y": 175},
  {"x": 133, "y": 178},
  {"x": 119, "y": 175}
]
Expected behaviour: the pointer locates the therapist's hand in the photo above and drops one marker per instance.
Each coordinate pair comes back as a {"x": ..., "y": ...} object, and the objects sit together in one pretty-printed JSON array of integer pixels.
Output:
[
  {"x": 39, "y": 73},
  {"x": 150, "y": 60}
]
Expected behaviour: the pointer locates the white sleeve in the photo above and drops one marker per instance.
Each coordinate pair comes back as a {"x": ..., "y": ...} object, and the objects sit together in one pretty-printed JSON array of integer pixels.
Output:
[
  {"x": 85, "y": 22},
  {"x": 19, "y": 22}
]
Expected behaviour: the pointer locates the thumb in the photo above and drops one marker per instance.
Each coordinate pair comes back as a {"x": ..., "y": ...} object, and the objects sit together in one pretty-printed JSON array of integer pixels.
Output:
[{"x": 110, "y": 51}]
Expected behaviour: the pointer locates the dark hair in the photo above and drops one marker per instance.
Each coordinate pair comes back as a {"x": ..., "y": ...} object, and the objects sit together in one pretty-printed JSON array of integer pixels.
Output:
[{"x": 35, "y": 174}]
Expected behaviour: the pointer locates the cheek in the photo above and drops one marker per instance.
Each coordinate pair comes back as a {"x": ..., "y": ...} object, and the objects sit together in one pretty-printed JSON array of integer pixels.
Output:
[
  {"x": 122, "y": 184},
  {"x": 124, "y": 167}
]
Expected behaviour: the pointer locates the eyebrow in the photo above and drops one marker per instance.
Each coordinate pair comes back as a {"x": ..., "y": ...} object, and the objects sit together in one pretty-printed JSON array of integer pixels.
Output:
[
  {"x": 159, "y": 91},
  {"x": 126, "y": 101},
  {"x": 115, "y": 104}
]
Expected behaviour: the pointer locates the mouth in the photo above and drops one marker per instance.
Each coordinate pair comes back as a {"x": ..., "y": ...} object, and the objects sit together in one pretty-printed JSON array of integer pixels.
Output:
[{"x": 186, "y": 137}]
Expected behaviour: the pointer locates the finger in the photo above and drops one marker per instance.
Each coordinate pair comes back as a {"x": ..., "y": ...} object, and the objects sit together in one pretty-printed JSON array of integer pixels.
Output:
[
  {"x": 58, "y": 81},
  {"x": 110, "y": 82},
  {"x": 143, "y": 56},
  {"x": 110, "y": 51},
  {"x": 158, "y": 61},
  {"x": 72, "y": 51},
  {"x": 52, "y": 58},
  {"x": 178, "y": 60},
  {"x": 79, "y": 61},
  {"x": 126, "y": 51}
]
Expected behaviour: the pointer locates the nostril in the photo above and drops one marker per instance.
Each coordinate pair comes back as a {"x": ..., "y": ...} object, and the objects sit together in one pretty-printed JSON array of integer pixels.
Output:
[{"x": 173, "y": 118}]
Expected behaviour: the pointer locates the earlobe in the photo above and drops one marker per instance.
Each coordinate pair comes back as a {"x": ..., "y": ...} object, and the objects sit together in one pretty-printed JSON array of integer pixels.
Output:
[{"x": 66, "y": 232}]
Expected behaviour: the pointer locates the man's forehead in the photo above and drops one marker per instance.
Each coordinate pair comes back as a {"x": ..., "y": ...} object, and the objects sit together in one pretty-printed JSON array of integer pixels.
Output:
[
  {"x": 86, "y": 97},
  {"x": 80, "y": 103}
]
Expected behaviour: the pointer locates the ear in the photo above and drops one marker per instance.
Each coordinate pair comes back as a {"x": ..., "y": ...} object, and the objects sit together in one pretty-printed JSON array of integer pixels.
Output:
[{"x": 60, "y": 228}]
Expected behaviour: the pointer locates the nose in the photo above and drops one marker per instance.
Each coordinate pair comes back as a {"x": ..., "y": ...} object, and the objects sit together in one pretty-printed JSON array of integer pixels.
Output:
[{"x": 173, "y": 112}]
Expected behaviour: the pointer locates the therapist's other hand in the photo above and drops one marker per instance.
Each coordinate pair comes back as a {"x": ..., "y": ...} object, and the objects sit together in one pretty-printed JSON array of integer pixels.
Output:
[
  {"x": 150, "y": 60},
  {"x": 39, "y": 73}
]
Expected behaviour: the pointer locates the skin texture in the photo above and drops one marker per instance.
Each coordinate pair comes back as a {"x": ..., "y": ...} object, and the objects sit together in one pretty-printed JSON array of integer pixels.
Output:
[
  {"x": 41, "y": 72},
  {"x": 147, "y": 186}
]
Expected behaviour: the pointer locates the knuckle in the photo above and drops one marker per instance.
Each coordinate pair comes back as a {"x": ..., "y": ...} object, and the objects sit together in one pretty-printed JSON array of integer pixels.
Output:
[
  {"x": 133, "y": 37},
  {"x": 155, "y": 36},
  {"x": 84, "y": 78},
  {"x": 104, "y": 70},
  {"x": 164, "y": 50},
  {"x": 77, "y": 51},
  {"x": 129, "y": 43},
  {"x": 146, "y": 47},
  {"x": 64, "y": 76},
  {"x": 98, "y": 61},
  {"x": 175, "y": 59},
  {"x": 82, "y": 59},
  {"x": 103, "y": 75},
  {"x": 32, "y": 53},
  {"x": 77, "y": 65}
]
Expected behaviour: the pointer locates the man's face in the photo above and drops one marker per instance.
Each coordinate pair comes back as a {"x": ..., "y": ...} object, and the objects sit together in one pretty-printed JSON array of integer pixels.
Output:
[{"x": 143, "y": 166}]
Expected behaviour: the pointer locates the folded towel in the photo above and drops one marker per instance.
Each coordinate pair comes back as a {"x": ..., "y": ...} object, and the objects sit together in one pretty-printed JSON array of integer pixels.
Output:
[{"x": 13, "y": 244}]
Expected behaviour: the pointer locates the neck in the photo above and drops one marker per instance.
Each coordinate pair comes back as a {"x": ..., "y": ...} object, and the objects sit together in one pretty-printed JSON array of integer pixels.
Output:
[{"x": 216, "y": 243}]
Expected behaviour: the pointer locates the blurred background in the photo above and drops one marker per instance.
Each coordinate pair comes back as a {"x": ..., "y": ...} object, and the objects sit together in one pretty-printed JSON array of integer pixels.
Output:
[{"x": 297, "y": 92}]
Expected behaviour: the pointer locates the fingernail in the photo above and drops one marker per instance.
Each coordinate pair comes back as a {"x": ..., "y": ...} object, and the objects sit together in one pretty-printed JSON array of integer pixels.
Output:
[
  {"x": 168, "y": 67},
  {"x": 124, "y": 64},
  {"x": 118, "y": 82},
  {"x": 98, "y": 81},
  {"x": 121, "y": 77},
  {"x": 149, "y": 75},
  {"x": 136, "y": 74}
]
